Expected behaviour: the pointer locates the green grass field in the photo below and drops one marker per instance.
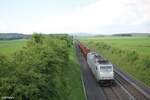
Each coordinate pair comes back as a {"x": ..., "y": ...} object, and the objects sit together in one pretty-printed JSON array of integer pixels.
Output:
[
  {"x": 139, "y": 44},
  {"x": 132, "y": 54},
  {"x": 8, "y": 47}
]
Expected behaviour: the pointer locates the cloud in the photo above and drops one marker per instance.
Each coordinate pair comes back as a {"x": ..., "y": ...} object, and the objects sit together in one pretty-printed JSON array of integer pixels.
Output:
[
  {"x": 102, "y": 16},
  {"x": 109, "y": 12}
]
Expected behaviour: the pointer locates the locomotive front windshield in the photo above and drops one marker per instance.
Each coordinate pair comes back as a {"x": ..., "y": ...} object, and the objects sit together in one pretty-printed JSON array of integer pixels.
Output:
[{"x": 106, "y": 68}]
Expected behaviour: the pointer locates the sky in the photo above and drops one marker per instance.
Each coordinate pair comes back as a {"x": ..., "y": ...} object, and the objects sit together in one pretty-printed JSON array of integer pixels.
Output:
[{"x": 69, "y": 16}]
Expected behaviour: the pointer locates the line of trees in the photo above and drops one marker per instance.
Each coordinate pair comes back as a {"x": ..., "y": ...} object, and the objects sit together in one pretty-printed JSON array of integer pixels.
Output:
[
  {"x": 13, "y": 36},
  {"x": 36, "y": 72}
]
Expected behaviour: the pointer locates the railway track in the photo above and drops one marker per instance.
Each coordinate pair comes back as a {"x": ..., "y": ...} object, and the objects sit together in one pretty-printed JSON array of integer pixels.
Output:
[
  {"x": 134, "y": 91},
  {"x": 120, "y": 90},
  {"x": 110, "y": 93}
]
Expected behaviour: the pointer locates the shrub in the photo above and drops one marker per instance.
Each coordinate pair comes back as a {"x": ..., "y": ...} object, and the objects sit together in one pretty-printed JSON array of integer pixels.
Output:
[
  {"x": 37, "y": 70},
  {"x": 146, "y": 62},
  {"x": 132, "y": 56}
]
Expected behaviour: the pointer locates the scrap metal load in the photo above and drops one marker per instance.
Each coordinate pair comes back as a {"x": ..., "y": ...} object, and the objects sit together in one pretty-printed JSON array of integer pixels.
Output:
[
  {"x": 84, "y": 49},
  {"x": 101, "y": 68}
]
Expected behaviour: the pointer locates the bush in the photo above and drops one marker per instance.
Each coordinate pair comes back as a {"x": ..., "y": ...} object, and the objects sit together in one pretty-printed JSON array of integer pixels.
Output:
[
  {"x": 146, "y": 61},
  {"x": 132, "y": 56},
  {"x": 36, "y": 72}
]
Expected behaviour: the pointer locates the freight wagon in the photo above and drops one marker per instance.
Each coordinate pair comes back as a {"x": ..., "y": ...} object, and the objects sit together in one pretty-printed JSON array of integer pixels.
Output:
[{"x": 85, "y": 50}]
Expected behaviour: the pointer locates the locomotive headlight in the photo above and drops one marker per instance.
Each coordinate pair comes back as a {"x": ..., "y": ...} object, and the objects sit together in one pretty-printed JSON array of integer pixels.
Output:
[{"x": 101, "y": 73}]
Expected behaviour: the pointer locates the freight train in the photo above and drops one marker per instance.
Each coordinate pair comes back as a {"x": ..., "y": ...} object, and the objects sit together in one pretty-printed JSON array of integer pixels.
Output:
[{"x": 101, "y": 68}]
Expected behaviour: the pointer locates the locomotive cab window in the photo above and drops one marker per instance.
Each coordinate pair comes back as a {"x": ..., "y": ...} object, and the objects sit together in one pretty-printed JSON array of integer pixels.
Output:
[{"x": 106, "y": 68}]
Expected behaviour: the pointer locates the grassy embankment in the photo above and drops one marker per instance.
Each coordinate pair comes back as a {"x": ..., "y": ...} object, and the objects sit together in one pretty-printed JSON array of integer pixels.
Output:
[
  {"x": 74, "y": 77},
  {"x": 132, "y": 54}
]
